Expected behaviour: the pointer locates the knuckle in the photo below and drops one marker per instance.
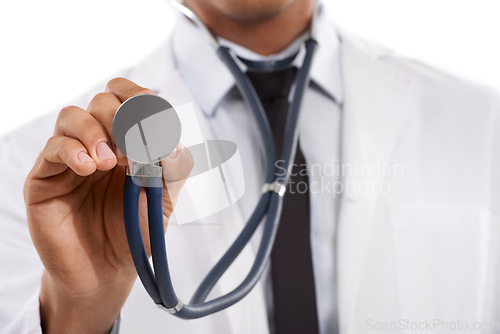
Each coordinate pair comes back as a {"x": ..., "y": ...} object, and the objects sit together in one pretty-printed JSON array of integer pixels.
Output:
[
  {"x": 85, "y": 125},
  {"x": 65, "y": 112},
  {"x": 100, "y": 98},
  {"x": 139, "y": 91},
  {"x": 64, "y": 144},
  {"x": 55, "y": 144},
  {"x": 52, "y": 142},
  {"x": 114, "y": 83},
  {"x": 93, "y": 132}
]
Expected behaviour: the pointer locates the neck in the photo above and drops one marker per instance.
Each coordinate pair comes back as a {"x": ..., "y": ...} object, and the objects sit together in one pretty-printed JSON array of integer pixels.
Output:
[{"x": 263, "y": 35}]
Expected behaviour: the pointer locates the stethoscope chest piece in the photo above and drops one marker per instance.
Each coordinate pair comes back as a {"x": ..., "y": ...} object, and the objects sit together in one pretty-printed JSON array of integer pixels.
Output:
[{"x": 146, "y": 128}]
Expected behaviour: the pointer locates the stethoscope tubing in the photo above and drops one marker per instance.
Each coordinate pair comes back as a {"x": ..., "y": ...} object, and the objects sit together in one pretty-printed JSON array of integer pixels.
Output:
[
  {"x": 131, "y": 192},
  {"x": 247, "y": 90},
  {"x": 159, "y": 284}
]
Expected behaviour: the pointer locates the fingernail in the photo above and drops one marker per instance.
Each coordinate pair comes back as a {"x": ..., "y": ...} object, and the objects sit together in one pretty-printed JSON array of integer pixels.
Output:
[
  {"x": 84, "y": 157},
  {"x": 104, "y": 152}
]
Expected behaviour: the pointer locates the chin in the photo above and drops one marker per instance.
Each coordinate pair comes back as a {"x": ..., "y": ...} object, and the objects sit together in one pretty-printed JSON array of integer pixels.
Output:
[{"x": 252, "y": 10}]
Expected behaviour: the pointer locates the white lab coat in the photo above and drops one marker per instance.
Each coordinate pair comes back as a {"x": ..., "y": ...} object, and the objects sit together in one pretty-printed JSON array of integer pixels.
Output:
[{"x": 426, "y": 249}]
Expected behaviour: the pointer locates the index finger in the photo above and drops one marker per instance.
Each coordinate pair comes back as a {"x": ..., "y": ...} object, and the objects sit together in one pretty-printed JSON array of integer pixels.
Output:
[{"x": 124, "y": 89}]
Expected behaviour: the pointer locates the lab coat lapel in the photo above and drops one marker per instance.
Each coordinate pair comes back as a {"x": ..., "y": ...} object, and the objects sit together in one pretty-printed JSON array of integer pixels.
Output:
[
  {"x": 375, "y": 112},
  {"x": 249, "y": 315}
]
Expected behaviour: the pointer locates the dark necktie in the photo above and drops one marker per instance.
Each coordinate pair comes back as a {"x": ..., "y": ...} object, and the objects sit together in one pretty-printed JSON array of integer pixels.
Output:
[{"x": 291, "y": 261}]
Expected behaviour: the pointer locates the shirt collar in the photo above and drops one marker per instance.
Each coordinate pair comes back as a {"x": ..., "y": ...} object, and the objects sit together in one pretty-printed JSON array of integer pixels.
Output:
[{"x": 210, "y": 80}]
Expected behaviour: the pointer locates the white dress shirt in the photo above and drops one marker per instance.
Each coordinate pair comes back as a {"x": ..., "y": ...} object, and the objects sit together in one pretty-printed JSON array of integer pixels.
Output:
[{"x": 230, "y": 119}]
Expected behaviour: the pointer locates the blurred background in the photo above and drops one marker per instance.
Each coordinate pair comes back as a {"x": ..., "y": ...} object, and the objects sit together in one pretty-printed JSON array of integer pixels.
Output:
[{"x": 53, "y": 50}]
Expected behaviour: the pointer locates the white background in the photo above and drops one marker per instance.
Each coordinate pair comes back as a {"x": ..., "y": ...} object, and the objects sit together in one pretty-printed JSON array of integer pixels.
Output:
[{"x": 53, "y": 50}]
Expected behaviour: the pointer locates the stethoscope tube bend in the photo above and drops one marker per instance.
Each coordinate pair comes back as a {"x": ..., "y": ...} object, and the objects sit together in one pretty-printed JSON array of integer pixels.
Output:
[{"x": 158, "y": 283}]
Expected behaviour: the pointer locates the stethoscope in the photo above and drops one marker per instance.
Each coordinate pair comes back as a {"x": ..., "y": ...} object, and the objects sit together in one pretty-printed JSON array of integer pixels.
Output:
[{"x": 146, "y": 172}]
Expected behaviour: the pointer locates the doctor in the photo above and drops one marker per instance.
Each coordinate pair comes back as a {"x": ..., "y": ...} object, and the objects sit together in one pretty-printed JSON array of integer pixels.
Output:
[{"x": 404, "y": 193}]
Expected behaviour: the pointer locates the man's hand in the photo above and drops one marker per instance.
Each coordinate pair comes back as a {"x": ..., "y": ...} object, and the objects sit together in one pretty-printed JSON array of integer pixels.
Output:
[{"x": 74, "y": 201}]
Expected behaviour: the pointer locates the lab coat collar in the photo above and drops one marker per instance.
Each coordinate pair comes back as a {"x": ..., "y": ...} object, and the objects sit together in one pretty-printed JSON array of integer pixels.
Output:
[{"x": 210, "y": 80}]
